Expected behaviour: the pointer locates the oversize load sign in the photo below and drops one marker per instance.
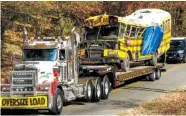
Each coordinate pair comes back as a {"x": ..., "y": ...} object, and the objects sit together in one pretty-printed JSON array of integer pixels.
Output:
[{"x": 24, "y": 102}]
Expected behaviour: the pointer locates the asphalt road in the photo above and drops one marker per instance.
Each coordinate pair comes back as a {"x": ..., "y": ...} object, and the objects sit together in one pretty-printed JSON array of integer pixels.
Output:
[
  {"x": 129, "y": 95},
  {"x": 133, "y": 94}
]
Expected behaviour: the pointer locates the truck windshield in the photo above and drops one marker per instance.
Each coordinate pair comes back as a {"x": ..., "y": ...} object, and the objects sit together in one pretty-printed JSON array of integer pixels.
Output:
[
  {"x": 177, "y": 44},
  {"x": 101, "y": 32},
  {"x": 39, "y": 54}
]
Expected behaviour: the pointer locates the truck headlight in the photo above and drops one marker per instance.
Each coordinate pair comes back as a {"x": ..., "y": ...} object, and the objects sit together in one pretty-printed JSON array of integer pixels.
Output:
[
  {"x": 43, "y": 87},
  {"x": 5, "y": 88},
  {"x": 180, "y": 51}
]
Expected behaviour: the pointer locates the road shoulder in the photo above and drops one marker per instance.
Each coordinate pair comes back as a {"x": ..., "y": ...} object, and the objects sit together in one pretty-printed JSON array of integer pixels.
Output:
[{"x": 172, "y": 103}]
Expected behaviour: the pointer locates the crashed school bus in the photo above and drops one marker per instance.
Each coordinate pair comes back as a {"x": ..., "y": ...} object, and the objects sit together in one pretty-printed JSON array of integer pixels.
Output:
[{"x": 142, "y": 36}]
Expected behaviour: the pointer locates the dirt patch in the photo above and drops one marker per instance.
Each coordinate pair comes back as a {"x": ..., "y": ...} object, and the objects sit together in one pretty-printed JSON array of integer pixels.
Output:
[{"x": 173, "y": 103}]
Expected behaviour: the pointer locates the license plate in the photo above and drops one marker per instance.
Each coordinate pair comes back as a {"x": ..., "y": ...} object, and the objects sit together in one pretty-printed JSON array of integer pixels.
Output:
[{"x": 24, "y": 102}]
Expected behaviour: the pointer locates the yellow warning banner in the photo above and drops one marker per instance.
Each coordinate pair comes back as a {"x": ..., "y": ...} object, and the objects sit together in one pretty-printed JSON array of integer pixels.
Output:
[{"x": 24, "y": 102}]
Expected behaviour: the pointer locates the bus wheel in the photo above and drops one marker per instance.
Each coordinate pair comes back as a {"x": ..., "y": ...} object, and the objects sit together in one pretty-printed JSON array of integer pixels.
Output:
[
  {"x": 97, "y": 90},
  {"x": 158, "y": 74},
  {"x": 152, "y": 76},
  {"x": 106, "y": 87},
  {"x": 125, "y": 65},
  {"x": 154, "y": 60},
  {"x": 89, "y": 91},
  {"x": 58, "y": 102}
]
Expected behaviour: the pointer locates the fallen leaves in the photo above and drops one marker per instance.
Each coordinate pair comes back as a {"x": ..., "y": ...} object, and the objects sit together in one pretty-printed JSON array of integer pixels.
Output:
[{"x": 173, "y": 103}]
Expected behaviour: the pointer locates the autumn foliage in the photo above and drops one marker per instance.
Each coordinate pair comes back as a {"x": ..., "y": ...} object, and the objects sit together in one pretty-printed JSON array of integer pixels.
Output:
[
  {"x": 42, "y": 15},
  {"x": 58, "y": 17}
]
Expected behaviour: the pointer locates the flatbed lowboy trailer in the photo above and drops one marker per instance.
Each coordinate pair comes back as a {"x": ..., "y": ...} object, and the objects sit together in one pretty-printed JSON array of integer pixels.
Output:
[{"x": 118, "y": 77}]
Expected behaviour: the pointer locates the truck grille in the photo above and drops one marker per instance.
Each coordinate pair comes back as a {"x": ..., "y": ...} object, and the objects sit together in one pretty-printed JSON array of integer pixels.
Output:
[{"x": 23, "y": 82}]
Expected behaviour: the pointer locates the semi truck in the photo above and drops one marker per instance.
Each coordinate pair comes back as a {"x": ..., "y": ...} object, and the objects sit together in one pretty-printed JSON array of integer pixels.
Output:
[
  {"x": 50, "y": 75},
  {"x": 47, "y": 77}
]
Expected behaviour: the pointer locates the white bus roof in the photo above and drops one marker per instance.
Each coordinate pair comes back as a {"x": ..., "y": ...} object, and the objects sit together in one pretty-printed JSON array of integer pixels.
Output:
[
  {"x": 178, "y": 38},
  {"x": 148, "y": 17}
]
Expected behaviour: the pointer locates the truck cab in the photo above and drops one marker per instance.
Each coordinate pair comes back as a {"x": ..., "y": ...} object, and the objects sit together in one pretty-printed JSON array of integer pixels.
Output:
[
  {"x": 44, "y": 56},
  {"x": 35, "y": 83}
]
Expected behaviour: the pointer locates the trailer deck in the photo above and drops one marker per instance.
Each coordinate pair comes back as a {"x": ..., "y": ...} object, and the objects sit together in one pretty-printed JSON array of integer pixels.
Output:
[{"x": 116, "y": 77}]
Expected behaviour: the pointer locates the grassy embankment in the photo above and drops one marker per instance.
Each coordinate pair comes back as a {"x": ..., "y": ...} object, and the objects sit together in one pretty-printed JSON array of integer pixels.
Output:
[{"x": 173, "y": 103}]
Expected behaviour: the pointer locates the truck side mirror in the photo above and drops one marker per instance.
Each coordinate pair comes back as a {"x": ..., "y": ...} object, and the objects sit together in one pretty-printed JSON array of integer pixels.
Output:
[{"x": 62, "y": 55}]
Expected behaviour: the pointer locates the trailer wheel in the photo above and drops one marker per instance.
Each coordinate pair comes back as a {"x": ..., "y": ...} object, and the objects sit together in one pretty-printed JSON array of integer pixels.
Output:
[
  {"x": 152, "y": 76},
  {"x": 89, "y": 91},
  {"x": 106, "y": 87},
  {"x": 125, "y": 65},
  {"x": 158, "y": 74},
  {"x": 58, "y": 102},
  {"x": 97, "y": 90}
]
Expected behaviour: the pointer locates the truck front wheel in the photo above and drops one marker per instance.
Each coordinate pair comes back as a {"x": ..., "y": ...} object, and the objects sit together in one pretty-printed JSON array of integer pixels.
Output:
[
  {"x": 89, "y": 91},
  {"x": 58, "y": 102}
]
